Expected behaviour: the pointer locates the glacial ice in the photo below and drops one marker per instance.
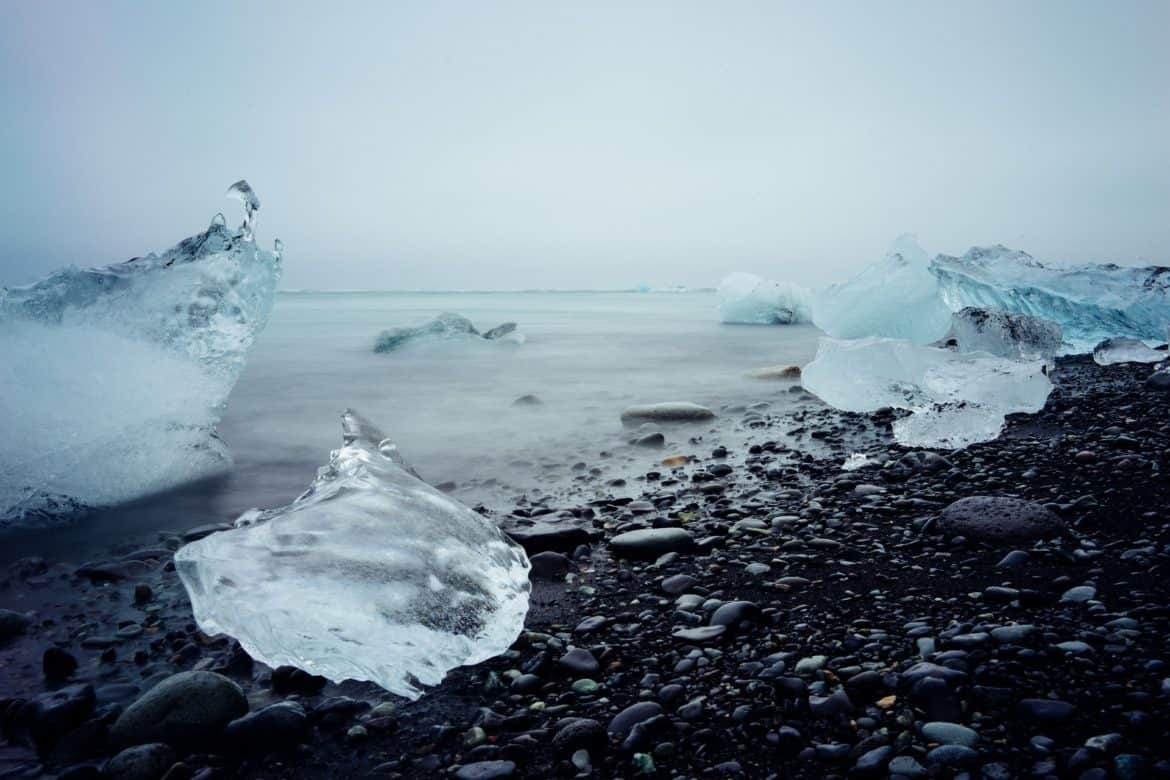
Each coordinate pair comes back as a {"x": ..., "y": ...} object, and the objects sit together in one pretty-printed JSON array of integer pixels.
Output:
[
  {"x": 747, "y": 299},
  {"x": 1089, "y": 302},
  {"x": 896, "y": 297},
  {"x": 114, "y": 378},
  {"x": 955, "y": 398},
  {"x": 448, "y": 326},
  {"x": 1124, "y": 350},
  {"x": 371, "y": 574},
  {"x": 1016, "y": 336}
]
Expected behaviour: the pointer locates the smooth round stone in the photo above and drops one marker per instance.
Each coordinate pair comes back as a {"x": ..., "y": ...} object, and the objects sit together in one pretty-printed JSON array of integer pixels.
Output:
[
  {"x": 809, "y": 665},
  {"x": 678, "y": 584},
  {"x": 649, "y": 543},
  {"x": 700, "y": 634},
  {"x": 734, "y": 612},
  {"x": 999, "y": 519},
  {"x": 680, "y": 411},
  {"x": 1078, "y": 595},
  {"x": 580, "y": 662},
  {"x": 585, "y": 686},
  {"x": 906, "y": 766},
  {"x": 486, "y": 770},
  {"x": 1012, "y": 634},
  {"x": 955, "y": 756},
  {"x": 633, "y": 715},
  {"x": 186, "y": 708},
  {"x": 1046, "y": 710},
  {"x": 949, "y": 734}
]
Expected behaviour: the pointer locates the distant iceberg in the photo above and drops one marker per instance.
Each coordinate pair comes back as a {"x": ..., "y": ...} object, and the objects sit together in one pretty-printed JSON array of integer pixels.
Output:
[
  {"x": 114, "y": 378},
  {"x": 955, "y": 398},
  {"x": 1089, "y": 302},
  {"x": 445, "y": 326},
  {"x": 371, "y": 574},
  {"x": 896, "y": 297},
  {"x": 747, "y": 299}
]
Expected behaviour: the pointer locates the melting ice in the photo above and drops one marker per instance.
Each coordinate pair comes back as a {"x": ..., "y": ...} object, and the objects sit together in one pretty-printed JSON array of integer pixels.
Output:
[
  {"x": 955, "y": 398},
  {"x": 371, "y": 574},
  {"x": 445, "y": 326},
  {"x": 114, "y": 378},
  {"x": 896, "y": 297}
]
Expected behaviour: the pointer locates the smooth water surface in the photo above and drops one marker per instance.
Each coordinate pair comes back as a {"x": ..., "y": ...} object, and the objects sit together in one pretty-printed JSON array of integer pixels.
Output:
[{"x": 448, "y": 403}]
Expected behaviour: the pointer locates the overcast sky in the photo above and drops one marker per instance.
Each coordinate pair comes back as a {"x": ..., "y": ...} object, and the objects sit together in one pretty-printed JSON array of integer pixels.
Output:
[{"x": 503, "y": 145}]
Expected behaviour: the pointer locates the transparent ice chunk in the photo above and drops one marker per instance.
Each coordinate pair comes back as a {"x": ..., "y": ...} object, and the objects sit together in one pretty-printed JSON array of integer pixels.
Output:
[
  {"x": 114, "y": 378},
  {"x": 371, "y": 574},
  {"x": 955, "y": 398},
  {"x": 896, "y": 297},
  {"x": 1123, "y": 350}
]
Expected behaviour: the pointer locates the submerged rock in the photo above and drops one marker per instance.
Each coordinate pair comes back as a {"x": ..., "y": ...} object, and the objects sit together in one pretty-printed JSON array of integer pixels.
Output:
[
  {"x": 677, "y": 411},
  {"x": 371, "y": 574}
]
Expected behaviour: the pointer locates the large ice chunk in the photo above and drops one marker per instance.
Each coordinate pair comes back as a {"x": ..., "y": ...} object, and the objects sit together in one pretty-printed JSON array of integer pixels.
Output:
[
  {"x": 1016, "y": 336},
  {"x": 747, "y": 299},
  {"x": 1089, "y": 302},
  {"x": 896, "y": 297},
  {"x": 449, "y": 326},
  {"x": 1112, "y": 351},
  {"x": 114, "y": 378},
  {"x": 371, "y": 574},
  {"x": 955, "y": 398}
]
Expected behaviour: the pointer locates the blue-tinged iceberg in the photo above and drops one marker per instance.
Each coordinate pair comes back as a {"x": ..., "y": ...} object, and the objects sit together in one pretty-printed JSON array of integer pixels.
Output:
[
  {"x": 1089, "y": 302},
  {"x": 114, "y": 378},
  {"x": 954, "y": 398},
  {"x": 370, "y": 575},
  {"x": 747, "y": 299},
  {"x": 896, "y": 297}
]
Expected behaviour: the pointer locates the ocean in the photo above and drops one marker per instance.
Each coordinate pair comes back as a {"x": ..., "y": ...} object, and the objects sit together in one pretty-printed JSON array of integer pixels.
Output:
[{"x": 449, "y": 403}]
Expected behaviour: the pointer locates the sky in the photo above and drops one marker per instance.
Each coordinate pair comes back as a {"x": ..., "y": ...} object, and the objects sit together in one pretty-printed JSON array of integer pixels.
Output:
[{"x": 584, "y": 145}]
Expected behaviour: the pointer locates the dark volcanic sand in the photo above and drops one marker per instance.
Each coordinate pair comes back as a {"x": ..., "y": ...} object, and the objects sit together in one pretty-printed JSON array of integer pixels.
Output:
[{"x": 862, "y": 623}]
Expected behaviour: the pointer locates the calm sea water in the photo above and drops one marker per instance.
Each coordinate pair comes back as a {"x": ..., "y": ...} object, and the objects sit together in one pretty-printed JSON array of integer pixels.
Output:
[{"x": 449, "y": 403}]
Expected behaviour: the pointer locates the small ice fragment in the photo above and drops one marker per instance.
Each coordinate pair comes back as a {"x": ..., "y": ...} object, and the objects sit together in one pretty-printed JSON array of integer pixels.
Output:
[
  {"x": 1122, "y": 350},
  {"x": 855, "y": 461},
  {"x": 371, "y": 574}
]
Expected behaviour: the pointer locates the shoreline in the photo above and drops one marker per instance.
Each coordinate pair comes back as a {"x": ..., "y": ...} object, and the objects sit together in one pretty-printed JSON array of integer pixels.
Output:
[{"x": 827, "y": 583}]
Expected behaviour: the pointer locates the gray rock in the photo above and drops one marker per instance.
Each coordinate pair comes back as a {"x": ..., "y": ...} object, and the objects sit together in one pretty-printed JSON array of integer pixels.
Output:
[
  {"x": 631, "y": 716},
  {"x": 548, "y": 565},
  {"x": 949, "y": 734},
  {"x": 187, "y": 708},
  {"x": 649, "y": 543},
  {"x": 486, "y": 770},
  {"x": 673, "y": 412},
  {"x": 999, "y": 519},
  {"x": 12, "y": 624},
  {"x": 276, "y": 726},
  {"x": 142, "y": 762}
]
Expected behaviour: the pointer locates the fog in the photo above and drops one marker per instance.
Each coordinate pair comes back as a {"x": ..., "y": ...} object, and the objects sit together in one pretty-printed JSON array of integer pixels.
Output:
[{"x": 603, "y": 145}]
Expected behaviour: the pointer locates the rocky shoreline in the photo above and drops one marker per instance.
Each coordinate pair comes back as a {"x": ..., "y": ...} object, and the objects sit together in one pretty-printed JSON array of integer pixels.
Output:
[{"x": 756, "y": 612}]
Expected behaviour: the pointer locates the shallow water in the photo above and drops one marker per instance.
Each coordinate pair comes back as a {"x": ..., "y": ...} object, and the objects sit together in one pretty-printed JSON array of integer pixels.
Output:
[{"x": 449, "y": 403}]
